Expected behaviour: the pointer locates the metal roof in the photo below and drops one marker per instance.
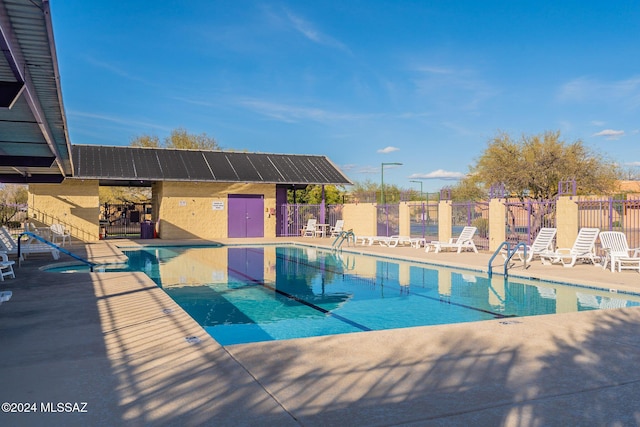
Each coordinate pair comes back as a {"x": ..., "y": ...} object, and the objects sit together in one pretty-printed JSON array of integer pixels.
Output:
[
  {"x": 137, "y": 166},
  {"x": 34, "y": 143}
]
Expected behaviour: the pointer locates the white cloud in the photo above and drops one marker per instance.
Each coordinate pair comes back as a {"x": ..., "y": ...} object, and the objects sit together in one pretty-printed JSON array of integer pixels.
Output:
[
  {"x": 610, "y": 133},
  {"x": 348, "y": 167},
  {"x": 438, "y": 174},
  {"x": 310, "y": 32},
  {"x": 389, "y": 149},
  {"x": 118, "y": 120},
  {"x": 292, "y": 113},
  {"x": 369, "y": 170},
  {"x": 585, "y": 89}
]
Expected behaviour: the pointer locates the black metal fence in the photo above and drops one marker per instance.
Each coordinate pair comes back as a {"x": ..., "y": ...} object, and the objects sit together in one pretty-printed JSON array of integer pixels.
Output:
[{"x": 123, "y": 220}]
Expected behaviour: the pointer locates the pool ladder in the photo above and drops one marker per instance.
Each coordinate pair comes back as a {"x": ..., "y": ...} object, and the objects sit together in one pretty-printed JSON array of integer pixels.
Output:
[
  {"x": 344, "y": 235},
  {"x": 510, "y": 254}
]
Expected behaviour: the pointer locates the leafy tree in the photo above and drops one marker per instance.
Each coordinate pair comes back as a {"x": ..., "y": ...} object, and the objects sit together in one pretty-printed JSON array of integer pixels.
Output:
[
  {"x": 124, "y": 195},
  {"x": 364, "y": 191},
  {"x": 313, "y": 195},
  {"x": 180, "y": 139},
  {"x": 469, "y": 188},
  {"x": 13, "y": 197},
  {"x": 183, "y": 140},
  {"x": 151, "y": 141},
  {"x": 531, "y": 167}
]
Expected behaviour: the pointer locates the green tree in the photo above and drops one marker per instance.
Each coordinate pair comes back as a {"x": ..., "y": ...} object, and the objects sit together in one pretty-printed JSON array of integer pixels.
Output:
[
  {"x": 532, "y": 166},
  {"x": 151, "y": 141},
  {"x": 13, "y": 197},
  {"x": 365, "y": 191},
  {"x": 313, "y": 195},
  {"x": 124, "y": 195},
  {"x": 181, "y": 139},
  {"x": 178, "y": 138}
]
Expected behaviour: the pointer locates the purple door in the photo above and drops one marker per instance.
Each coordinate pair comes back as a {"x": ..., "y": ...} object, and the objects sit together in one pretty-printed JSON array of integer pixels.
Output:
[{"x": 246, "y": 215}]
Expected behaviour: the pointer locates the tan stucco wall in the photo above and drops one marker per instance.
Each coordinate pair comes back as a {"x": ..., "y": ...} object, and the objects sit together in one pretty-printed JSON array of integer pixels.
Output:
[
  {"x": 445, "y": 221},
  {"x": 185, "y": 209},
  {"x": 566, "y": 222},
  {"x": 73, "y": 203},
  {"x": 404, "y": 213},
  {"x": 361, "y": 218},
  {"x": 497, "y": 229}
]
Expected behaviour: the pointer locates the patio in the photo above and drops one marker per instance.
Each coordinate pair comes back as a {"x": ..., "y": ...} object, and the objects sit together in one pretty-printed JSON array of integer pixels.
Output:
[{"x": 118, "y": 342}]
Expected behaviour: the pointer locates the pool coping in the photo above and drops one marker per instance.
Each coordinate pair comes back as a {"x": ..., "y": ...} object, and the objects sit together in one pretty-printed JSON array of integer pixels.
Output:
[{"x": 130, "y": 359}]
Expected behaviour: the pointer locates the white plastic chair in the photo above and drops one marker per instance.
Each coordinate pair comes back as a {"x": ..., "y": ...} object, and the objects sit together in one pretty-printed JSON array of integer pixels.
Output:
[
  {"x": 584, "y": 249},
  {"x": 337, "y": 229},
  {"x": 6, "y": 266},
  {"x": 618, "y": 253},
  {"x": 310, "y": 230},
  {"x": 463, "y": 241},
  {"x": 543, "y": 243},
  {"x": 58, "y": 232}
]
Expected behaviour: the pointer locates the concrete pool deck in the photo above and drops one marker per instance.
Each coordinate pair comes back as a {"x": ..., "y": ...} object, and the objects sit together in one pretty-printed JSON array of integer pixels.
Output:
[{"x": 119, "y": 343}]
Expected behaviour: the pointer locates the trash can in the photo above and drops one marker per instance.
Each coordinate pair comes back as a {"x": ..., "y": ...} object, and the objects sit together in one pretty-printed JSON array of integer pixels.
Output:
[{"x": 147, "y": 230}]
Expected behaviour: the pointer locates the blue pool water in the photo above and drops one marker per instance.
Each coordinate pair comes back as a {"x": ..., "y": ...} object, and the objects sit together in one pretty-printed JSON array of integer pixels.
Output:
[{"x": 250, "y": 294}]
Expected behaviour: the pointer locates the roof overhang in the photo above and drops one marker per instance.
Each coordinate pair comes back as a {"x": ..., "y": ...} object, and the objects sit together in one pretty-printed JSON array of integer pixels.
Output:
[
  {"x": 34, "y": 141},
  {"x": 137, "y": 166}
]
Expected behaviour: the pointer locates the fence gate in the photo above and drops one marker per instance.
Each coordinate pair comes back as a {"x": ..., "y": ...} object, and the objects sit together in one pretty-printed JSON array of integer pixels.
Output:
[
  {"x": 612, "y": 215},
  {"x": 424, "y": 220},
  {"x": 297, "y": 215},
  {"x": 525, "y": 218},
  {"x": 471, "y": 213},
  {"x": 388, "y": 220},
  {"x": 123, "y": 221}
]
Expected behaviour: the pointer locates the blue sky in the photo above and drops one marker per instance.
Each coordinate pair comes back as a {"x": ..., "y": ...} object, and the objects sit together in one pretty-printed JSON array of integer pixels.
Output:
[{"x": 363, "y": 82}]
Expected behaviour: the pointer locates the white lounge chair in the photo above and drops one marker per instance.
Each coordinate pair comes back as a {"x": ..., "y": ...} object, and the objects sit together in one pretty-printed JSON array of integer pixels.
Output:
[
  {"x": 58, "y": 231},
  {"x": 618, "y": 253},
  {"x": 6, "y": 266},
  {"x": 414, "y": 242},
  {"x": 541, "y": 244},
  {"x": 337, "y": 229},
  {"x": 463, "y": 241},
  {"x": 310, "y": 230},
  {"x": 370, "y": 240},
  {"x": 9, "y": 245},
  {"x": 584, "y": 249}
]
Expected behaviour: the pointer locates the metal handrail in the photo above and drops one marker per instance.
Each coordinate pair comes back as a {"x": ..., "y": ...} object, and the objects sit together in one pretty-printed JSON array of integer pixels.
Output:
[
  {"x": 53, "y": 245},
  {"x": 510, "y": 254},
  {"x": 344, "y": 235},
  {"x": 502, "y": 245}
]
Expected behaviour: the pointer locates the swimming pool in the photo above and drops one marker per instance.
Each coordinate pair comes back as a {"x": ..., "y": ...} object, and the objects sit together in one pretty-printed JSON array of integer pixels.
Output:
[{"x": 241, "y": 294}]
